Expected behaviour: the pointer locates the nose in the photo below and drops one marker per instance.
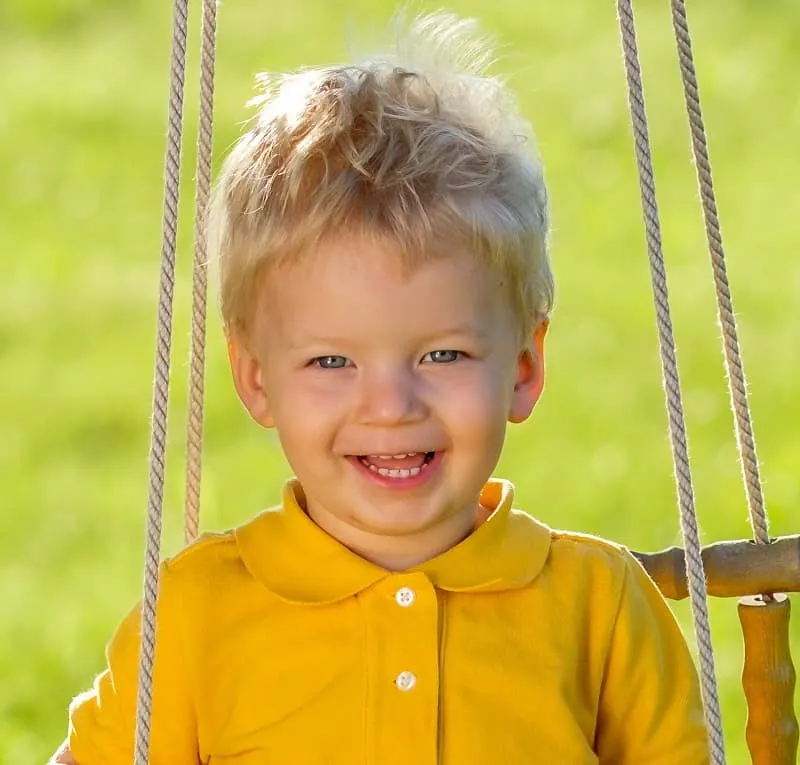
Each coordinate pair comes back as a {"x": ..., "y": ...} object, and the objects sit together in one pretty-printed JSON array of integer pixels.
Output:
[{"x": 390, "y": 397}]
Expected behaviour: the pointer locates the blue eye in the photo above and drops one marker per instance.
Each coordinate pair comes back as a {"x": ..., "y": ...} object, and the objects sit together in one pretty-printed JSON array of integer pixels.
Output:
[
  {"x": 444, "y": 357},
  {"x": 330, "y": 362}
]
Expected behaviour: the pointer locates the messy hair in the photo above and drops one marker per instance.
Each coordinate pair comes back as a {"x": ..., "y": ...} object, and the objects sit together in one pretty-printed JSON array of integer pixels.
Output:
[{"x": 420, "y": 147}]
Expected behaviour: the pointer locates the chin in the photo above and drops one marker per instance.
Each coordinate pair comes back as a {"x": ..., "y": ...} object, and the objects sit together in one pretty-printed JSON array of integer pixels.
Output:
[{"x": 401, "y": 523}]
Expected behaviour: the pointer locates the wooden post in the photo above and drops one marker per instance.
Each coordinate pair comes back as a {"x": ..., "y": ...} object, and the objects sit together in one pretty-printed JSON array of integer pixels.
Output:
[{"x": 769, "y": 680}]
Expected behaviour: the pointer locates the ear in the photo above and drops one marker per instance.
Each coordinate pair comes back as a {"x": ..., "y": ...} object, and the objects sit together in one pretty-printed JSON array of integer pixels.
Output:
[
  {"x": 248, "y": 380},
  {"x": 529, "y": 382}
]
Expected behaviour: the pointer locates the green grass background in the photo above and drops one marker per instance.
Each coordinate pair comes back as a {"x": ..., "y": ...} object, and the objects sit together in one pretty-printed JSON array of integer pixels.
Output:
[{"x": 83, "y": 87}]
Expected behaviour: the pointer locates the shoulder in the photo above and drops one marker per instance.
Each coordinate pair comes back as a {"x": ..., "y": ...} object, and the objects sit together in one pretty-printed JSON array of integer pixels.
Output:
[
  {"x": 217, "y": 549},
  {"x": 607, "y": 576},
  {"x": 597, "y": 562},
  {"x": 206, "y": 592},
  {"x": 587, "y": 547},
  {"x": 209, "y": 569},
  {"x": 595, "y": 574}
]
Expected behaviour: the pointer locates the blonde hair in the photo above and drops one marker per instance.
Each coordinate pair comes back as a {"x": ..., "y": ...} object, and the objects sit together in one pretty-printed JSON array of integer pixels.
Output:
[{"x": 420, "y": 147}]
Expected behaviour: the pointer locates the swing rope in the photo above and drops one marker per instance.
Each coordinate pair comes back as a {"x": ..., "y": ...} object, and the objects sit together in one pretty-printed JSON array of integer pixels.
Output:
[
  {"x": 737, "y": 384},
  {"x": 194, "y": 435},
  {"x": 669, "y": 364},
  {"x": 157, "y": 458}
]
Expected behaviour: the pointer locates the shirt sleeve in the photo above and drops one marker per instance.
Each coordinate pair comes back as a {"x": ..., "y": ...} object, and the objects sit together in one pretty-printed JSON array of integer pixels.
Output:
[
  {"x": 103, "y": 720},
  {"x": 650, "y": 707}
]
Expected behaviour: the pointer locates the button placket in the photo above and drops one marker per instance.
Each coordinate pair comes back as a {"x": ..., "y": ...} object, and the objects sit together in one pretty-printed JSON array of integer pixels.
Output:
[{"x": 404, "y": 628}]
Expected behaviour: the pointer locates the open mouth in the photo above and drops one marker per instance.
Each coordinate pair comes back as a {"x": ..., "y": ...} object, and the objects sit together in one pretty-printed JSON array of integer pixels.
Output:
[{"x": 406, "y": 465}]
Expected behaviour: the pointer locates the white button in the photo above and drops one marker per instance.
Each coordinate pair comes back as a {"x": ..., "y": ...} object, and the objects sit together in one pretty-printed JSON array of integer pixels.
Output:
[
  {"x": 405, "y": 681},
  {"x": 405, "y": 597}
]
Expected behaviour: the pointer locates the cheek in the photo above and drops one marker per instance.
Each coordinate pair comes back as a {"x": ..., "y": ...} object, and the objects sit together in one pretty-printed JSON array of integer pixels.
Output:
[
  {"x": 306, "y": 413},
  {"x": 476, "y": 405},
  {"x": 304, "y": 427}
]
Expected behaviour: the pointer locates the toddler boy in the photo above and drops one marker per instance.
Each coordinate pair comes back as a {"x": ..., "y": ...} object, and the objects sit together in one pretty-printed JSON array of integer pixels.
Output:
[{"x": 385, "y": 286}]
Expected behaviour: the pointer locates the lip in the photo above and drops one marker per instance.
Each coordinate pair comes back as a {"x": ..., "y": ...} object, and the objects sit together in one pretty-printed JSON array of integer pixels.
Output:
[{"x": 399, "y": 484}]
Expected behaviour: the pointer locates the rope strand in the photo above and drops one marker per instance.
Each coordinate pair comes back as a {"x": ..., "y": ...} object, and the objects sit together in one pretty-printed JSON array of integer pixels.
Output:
[
  {"x": 158, "y": 438},
  {"x": 677, "y": 428},
  {"x": 737, "y": 384},
  {"x": 194, "y": 436}
]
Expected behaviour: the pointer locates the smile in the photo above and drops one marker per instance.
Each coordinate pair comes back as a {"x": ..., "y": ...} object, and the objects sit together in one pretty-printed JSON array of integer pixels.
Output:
[
  {"x": 405, "y": 470},
  {"x": 408, "y": 464}
]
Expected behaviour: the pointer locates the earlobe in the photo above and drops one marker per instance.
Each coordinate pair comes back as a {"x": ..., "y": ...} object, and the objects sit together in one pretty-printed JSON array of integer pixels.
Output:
[
  {"x": 529, "y": 382},
  {"x": 247, "y": 379}
]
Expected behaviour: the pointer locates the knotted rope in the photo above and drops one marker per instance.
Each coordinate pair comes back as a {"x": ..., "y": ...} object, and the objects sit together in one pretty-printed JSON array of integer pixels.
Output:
[{"x": 677, "y": 428}]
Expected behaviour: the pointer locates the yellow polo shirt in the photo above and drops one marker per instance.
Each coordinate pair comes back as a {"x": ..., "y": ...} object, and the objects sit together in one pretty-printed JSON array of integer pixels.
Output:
[{"x": 521, "y": 645}]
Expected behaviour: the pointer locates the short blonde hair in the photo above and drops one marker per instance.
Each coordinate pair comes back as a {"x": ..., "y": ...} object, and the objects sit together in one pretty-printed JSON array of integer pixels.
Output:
[{"x": 420, "y": 147}]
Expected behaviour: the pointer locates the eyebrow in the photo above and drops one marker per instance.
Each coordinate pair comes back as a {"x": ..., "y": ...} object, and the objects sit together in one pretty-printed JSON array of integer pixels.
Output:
[
  {"x": 458, "y": 329},
  {"x": 321, "y": 340},
  {"x": 329, "y": 340}
]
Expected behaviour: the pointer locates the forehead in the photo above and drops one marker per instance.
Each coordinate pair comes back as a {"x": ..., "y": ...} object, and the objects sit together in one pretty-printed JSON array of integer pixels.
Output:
[{"x": 359, "y": 285}]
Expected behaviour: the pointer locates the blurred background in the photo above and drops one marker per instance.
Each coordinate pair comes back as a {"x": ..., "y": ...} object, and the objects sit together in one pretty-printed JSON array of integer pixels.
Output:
[{"x": 83, "y": 87}]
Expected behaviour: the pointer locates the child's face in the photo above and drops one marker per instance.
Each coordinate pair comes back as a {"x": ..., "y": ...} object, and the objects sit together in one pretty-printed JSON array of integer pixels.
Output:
[{"x": 351, "y": 360}]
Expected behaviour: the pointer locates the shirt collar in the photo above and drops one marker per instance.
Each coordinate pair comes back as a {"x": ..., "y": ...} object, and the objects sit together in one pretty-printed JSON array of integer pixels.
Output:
[{"x": 294, "y": 558}]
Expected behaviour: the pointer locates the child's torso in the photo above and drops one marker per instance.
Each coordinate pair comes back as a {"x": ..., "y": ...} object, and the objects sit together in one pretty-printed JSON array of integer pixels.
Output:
[{"x": 399, "y": 673}]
